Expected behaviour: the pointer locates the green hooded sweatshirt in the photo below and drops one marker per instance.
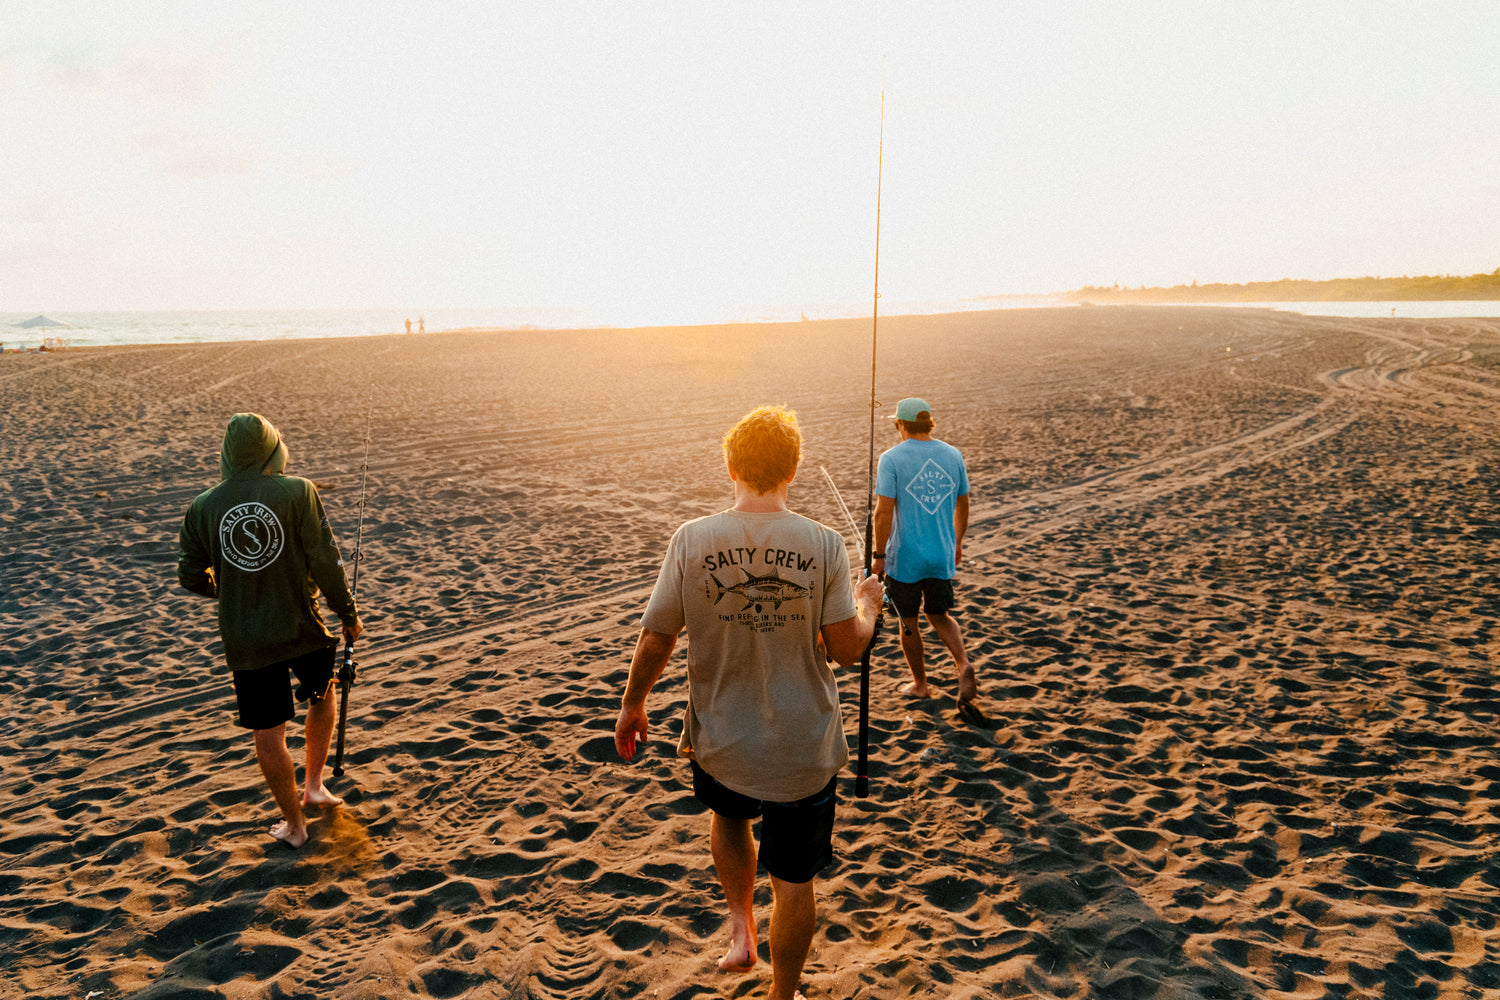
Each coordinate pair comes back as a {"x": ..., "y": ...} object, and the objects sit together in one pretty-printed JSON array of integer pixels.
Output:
[{"x": 259, "y": 542}]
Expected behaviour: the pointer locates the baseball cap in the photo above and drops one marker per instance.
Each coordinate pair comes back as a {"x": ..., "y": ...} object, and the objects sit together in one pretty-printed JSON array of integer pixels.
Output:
[{"x": 909, "y": 407}]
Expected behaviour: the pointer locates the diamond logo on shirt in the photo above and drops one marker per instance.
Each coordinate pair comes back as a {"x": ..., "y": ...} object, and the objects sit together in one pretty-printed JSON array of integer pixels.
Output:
[
  {"x": 251, "y": 537},
  {"x": 931, "y": 486}
]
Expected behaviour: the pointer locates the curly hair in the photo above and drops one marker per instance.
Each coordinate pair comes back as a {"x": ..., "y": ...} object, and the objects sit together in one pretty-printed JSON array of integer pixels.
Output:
[{"x": 763, "y": 449}]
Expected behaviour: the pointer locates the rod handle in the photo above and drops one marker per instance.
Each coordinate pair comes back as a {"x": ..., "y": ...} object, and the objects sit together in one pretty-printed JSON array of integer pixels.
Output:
[{"x": 345, "y": 682}]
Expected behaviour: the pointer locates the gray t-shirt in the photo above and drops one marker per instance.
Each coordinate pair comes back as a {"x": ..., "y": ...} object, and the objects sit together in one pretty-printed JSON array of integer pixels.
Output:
[{"x": 753, "y": 592}]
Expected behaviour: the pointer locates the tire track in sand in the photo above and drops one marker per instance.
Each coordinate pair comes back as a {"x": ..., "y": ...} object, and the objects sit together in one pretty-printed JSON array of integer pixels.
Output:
[{"x": 1396, "y": 369}]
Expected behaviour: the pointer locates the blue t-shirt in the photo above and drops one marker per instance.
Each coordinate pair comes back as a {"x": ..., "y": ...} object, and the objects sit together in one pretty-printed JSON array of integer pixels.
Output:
[{"x": 925, "y": 478}]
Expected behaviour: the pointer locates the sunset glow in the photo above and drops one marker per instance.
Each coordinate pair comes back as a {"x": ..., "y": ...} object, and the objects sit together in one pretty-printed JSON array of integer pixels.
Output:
[{"x": 678, "y": 162}]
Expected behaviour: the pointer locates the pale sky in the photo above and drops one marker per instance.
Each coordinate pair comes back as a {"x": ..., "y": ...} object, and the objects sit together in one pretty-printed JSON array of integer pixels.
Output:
[{"x": 657, "y": 161}]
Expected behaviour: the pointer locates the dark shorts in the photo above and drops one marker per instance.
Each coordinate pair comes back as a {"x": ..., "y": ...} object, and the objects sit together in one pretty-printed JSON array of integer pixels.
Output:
[
  {"x": 796, "y": 838},
  {"x": 264, "y": 695},
  {"x": 908, "y": 598}
]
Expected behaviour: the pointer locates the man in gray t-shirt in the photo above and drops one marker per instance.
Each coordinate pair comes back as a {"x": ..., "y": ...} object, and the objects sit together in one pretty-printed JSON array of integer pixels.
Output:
[{"x": 766, "y": 598}]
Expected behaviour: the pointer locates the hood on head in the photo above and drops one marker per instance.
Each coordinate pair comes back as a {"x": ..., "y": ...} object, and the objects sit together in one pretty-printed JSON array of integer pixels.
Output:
[{"x": 251, "y": 445}]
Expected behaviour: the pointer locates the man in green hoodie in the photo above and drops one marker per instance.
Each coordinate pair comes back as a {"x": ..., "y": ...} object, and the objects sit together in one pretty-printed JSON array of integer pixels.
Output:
[{"x": 260, "y": 544}]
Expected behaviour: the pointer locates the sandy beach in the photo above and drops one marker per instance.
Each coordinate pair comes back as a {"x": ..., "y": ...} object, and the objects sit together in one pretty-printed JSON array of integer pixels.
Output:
[{"x": 1231, "y": 588}]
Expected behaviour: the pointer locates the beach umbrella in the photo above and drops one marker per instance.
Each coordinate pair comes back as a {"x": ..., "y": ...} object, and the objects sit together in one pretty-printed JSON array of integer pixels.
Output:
[{"x": 40, "y": 321}]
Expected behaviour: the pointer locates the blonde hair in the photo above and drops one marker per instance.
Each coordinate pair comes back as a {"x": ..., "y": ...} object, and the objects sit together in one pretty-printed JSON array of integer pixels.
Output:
[{"x": 763, "y": 449}]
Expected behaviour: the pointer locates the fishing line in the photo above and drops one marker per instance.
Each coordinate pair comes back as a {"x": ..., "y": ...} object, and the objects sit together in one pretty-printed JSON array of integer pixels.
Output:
[{"x": 853, "y": 528}]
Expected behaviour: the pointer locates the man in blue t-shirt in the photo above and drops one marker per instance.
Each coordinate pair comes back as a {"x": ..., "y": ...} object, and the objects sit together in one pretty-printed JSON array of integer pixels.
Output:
[{"x": 921, "y": 514}]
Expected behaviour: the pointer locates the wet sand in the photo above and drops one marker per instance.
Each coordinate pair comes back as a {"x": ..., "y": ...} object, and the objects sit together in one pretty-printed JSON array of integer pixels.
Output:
[{"x": 1232, "y": 592}]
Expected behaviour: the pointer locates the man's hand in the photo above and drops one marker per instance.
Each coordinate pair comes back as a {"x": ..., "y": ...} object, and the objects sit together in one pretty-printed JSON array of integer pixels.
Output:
[
  {"x": 958, "y": 553},
  {"x": 846, "y": 640},
  {"x": 630, "y": 727},
  {"x": 877, "y": 568},
  {"x": 351, "y": 632},
  {"x": 652, "y": 650},
  {"x": 870, "y": 590}
]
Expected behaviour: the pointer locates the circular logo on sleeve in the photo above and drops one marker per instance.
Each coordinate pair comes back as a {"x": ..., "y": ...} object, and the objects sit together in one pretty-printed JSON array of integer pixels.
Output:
[{"x": 250, "y": 536}]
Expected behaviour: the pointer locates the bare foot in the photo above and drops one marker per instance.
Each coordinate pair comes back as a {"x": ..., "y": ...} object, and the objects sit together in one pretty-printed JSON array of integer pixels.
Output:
[
  {"x": 968, "y": 687},
  {"x": 320, "y": 797},
  {"x": 739, "y": 958},
  {"x": 285, "y": 833},
  {"x": 916, "y": 690}
]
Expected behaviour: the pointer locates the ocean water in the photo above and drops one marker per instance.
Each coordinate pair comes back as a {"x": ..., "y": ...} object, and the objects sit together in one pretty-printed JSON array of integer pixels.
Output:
[{"x": 85, "y": 329}]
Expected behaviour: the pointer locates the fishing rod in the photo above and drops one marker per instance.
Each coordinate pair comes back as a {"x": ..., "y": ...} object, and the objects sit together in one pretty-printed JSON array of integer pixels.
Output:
[
  {"x": 862, "y": 773},
  {"x": 347, "y": 671}
]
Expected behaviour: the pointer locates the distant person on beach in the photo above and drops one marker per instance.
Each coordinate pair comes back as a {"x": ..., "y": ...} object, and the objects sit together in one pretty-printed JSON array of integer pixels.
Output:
[
  {"x": 421, "y": 325},
  {"x": 408, "y": 325},
  {"x": 260, "y": 544},
  {"x": 921, "y": 515},
  {"x": 759, "y": 589}
]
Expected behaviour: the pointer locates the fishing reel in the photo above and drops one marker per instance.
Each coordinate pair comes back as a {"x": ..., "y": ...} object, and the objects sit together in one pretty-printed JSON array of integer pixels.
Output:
[{"x": 348, "y": 670}]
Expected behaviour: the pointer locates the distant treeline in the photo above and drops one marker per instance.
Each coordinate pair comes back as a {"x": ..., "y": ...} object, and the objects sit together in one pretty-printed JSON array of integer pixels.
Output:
[{"x": 1425, "y": 287}]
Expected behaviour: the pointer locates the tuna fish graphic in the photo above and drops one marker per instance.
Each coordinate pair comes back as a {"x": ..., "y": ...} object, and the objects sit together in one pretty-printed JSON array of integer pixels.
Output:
[{"x": 760, "y": 590}]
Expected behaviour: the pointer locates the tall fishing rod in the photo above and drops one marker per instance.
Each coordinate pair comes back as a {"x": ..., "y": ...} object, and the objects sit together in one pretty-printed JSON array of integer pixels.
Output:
[
  {"x": 347, "y": 671},
  {"x": 862, "y": 773}
]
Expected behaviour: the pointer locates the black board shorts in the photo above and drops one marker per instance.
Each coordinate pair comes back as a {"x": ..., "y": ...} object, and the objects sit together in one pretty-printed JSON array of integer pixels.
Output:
[
  {"x": 796, "y": 838},
  {"x": 264, "y": 695},
  {"x": 910, "y": 598}
]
